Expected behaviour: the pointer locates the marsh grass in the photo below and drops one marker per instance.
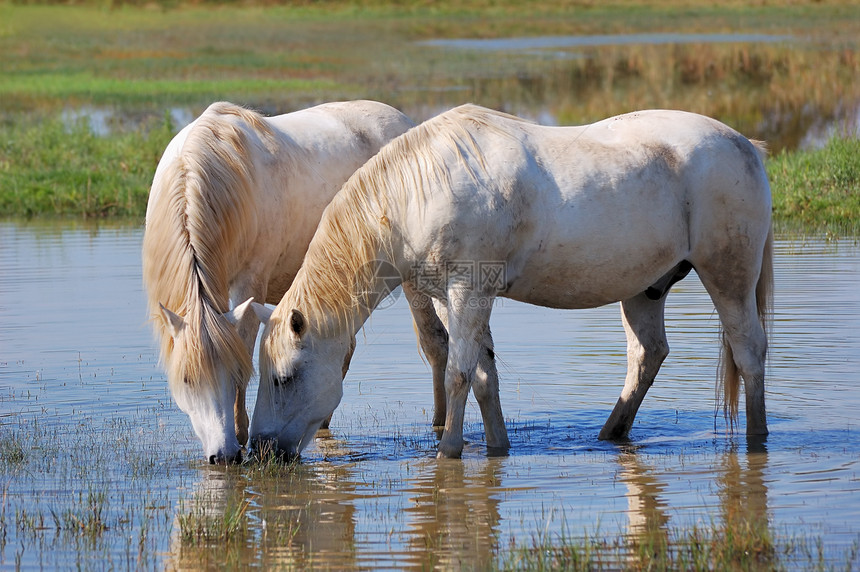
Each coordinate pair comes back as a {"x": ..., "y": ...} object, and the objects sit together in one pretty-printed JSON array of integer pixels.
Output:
[
  {"x": 75, "y": 491},
  {"x": 133, "y": 62},
  {"x": 819, "y": 187},
  {"x": 282, "y": 57},
  {"x": 115, "y": 510},
  {"x": 85, "y": 517},
  {"x": 50, "y": 167},
  {"x": 741, "y": 545},
  {"x": 199, "y": 526},
  {"x": 12, "y": 451}
]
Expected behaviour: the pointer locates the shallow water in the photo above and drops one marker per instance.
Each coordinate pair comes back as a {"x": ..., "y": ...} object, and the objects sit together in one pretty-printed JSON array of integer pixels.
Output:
[{"x": 84, "y": 400}]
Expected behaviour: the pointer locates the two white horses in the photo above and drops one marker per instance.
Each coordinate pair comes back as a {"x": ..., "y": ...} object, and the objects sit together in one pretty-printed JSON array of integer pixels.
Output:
[
  {"x": 565, "y": 217},
  {"x": 234, "y": 203}
]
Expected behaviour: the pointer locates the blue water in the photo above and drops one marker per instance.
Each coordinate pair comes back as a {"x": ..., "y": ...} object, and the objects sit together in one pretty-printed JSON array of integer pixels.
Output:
[{"x": 77, "y": 358}]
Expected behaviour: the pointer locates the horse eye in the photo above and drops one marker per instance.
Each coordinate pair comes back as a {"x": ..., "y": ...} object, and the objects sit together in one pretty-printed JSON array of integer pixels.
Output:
[{"x": 278, "y": 381}]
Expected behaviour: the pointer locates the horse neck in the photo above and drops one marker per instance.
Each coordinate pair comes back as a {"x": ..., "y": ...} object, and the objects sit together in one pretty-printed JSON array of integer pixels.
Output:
[
  {"x": 347, "y": 272},
  {"x": 182, "y": 271},
  {"x": 385, "y": 280}
]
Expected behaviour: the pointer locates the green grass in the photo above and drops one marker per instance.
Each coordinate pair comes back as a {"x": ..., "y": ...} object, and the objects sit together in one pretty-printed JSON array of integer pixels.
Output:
[
  {"x": 82, "y": 86},
  {"x": 819, "y": 188},
  {"x": 137, "y": 60},
  {"x": 285, "y": 55},
  {"x": 51, "y": 168}
]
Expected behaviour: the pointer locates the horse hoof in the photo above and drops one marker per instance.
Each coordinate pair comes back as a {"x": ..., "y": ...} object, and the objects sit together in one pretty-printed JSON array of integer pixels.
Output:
[
  {"x": 613, "y": 434},
  {"x": 446, "y": 451}
]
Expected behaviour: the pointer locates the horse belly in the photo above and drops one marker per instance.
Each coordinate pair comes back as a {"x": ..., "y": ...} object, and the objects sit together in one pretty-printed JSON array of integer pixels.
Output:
[
  {"x": 581, "y": 286},
  {"x": 593, "y": 265}
]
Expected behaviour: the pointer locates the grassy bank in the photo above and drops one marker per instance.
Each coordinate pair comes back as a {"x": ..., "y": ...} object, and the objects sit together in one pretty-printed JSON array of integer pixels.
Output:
[
  {"x": 819, "y": 188},
  {"x": 133, "y": 60},
  {"x": 54, "y": 168}
]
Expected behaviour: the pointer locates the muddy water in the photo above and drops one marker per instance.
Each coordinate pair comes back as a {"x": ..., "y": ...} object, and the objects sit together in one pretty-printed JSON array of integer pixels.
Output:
[{"x": 84, "y": 411}]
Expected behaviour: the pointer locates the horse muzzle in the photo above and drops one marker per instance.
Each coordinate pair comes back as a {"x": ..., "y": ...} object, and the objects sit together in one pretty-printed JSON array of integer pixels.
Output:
[
  {"x": 221, "y": 458},
  {"x": 269, "y": 447}
]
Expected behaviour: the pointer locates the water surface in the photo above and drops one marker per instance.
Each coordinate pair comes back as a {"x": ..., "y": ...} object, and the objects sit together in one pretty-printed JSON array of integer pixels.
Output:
[{"x": 82, "y": 395}]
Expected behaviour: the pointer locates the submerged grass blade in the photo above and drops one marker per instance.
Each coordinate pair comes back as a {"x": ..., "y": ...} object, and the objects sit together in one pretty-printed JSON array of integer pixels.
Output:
[{"x": 200, "y": 525}]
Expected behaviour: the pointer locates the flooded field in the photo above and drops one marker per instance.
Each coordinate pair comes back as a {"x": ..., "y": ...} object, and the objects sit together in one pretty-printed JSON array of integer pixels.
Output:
[{"x": 98, "y": 468}]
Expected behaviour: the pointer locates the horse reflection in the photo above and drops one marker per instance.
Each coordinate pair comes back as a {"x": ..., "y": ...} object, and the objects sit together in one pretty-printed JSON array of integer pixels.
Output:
[
  {"x": 646, "y": 508},
  {"x": 741, "y": 491},
  {"x": 295, "y": 517},
  {"x": 198, "y": 518},
  {"x": 454, "y": 514}
]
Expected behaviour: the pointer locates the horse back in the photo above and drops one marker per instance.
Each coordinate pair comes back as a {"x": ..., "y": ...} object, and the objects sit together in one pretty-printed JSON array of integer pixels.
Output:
[{"x": 583, "y": 216}]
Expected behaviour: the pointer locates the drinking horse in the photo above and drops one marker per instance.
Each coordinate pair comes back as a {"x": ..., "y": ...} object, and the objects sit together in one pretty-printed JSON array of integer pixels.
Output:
[
  {"x": 234, "y": 203},
  {"x": 567, "y": 217}
]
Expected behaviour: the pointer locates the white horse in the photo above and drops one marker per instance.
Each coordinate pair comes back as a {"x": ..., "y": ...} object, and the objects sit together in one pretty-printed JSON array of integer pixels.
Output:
[
  {"x": 234, "y": 203},
  {"x": 474, "y": 204}
]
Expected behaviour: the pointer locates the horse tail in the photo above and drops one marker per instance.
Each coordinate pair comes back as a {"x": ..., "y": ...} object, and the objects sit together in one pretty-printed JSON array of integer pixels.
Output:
[
  {"x": 728, "y": 369},
  {"x": 761, "y": 148},
  {"x": 196, "y": 229}
]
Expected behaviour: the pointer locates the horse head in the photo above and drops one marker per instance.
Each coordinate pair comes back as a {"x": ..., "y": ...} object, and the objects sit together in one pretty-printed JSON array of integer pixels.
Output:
[
  {"x": 301, "y": 381},
  {"x": 204, "y": 387}
]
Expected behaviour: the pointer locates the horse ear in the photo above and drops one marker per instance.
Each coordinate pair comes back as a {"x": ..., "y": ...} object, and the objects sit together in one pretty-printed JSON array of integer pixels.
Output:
[
  {"x": 263, "y": 313},
  {"x": 235, "y": 315},
  {"x": 174, "y": 322},
  {"x": 297, "y": 322}
]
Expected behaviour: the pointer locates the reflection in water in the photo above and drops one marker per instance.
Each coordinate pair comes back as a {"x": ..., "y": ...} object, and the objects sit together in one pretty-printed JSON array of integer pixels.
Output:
[
  {"x": 299, "y": 516},
  {"x": 440, "y": 514},
  {"x": 744, "y": 497},
  {"x": 741, "y": 491},
  {"x": 646, "y": 508},
  {"x": 454, "y": 514},
  {"x": 200, "y": 521},
  {"x": 281, "y": 516},
  {"x": 308, "y": 518}
]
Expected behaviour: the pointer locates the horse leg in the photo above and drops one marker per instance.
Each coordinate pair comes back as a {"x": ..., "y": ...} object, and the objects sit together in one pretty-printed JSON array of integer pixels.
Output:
[
  {"x": 485, "y": 388},
  {"x": 647, "y": 347},
  {"x": 744, "y": 351},
  {"x": 739, "y": 281},
  {"x": 438, "y": 359},
  {"x": 433, "y": 339},
  {"x": 247, "y": 328},
  {"x": 468, "y": 320}
]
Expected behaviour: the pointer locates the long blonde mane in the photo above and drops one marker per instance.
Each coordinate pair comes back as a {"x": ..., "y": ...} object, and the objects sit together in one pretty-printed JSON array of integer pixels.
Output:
[
  {"x": 200, "y": 217},
  {"x": 355, "y": 230}
]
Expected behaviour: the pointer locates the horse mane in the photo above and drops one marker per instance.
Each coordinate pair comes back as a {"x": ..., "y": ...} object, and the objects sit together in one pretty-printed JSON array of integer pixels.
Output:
[
  {"x": 193, "y": 228},
  {"x": 336, "y": 277}
]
